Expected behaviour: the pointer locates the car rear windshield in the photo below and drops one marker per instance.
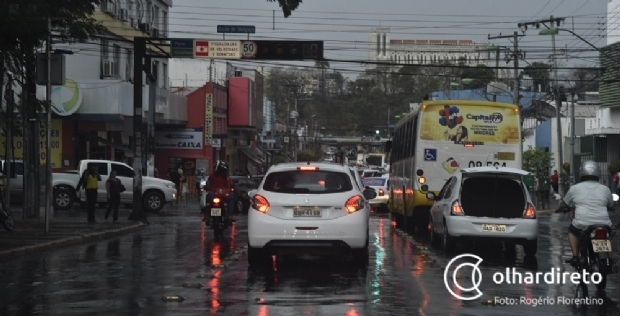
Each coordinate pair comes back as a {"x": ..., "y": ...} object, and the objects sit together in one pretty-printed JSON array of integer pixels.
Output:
[
  {"x": 374, "y": 182},
  {"x": 493, "y": 196},
  {"x": 308, "y": 182}
]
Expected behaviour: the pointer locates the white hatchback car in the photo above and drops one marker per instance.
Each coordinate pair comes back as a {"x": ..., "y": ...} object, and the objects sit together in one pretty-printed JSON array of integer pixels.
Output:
[
  {"x": 485, "y": 202},
  {"x": 307, "y": 208},
  {"x": 380, "y": 185}
]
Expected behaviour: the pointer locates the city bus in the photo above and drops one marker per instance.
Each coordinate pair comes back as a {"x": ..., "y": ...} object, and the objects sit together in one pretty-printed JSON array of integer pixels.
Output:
[{"x": 437, "y": 139}]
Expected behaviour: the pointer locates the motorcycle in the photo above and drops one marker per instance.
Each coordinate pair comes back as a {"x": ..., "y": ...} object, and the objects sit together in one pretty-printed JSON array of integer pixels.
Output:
[
  {"x": 6, "y": 217},
  {"x": 594, "y": 253},
  {"x": 214, "y": 210}
]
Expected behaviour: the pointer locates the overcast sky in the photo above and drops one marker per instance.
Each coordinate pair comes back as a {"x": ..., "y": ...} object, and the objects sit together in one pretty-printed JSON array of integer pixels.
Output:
[{"x": 344, "y": 24}]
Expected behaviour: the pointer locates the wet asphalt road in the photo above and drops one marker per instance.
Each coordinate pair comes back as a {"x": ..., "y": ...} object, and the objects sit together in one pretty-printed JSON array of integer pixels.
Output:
[{"x": 176, "y": 255}]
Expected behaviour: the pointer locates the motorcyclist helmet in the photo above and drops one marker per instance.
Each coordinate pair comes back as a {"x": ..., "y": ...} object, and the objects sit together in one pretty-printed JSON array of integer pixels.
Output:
[
  {"x": 589, "y": 171},
  {"x": 222, "y": 167}
]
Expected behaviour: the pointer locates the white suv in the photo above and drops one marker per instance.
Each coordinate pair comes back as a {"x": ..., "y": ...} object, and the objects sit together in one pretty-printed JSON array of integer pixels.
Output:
[{"x": 309, "y": 207}]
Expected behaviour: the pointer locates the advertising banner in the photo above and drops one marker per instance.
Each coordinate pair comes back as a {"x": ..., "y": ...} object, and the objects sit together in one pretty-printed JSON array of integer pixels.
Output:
[
  {"x": 56, "y": 150},
  {"x": 209, "y": 120},
  {"x": 470, "y": 124}
]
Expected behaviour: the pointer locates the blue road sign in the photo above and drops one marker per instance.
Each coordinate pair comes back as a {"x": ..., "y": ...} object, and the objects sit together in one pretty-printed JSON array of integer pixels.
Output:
[
  {"x": 236, "y": 29},
  {"x": 182, "y": 48}
]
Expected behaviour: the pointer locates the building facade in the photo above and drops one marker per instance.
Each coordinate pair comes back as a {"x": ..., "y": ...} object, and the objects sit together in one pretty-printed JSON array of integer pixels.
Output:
[
  {"x": 93, "y": 111},
  {"x": 382, "y": 48}
]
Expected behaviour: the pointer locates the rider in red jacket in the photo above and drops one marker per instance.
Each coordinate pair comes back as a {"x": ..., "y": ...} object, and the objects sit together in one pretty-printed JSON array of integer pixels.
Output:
[{"x": 220, "y": 184}]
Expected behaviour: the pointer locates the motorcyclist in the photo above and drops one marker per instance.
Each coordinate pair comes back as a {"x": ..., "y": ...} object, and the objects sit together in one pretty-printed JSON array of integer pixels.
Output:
[
  {"x": 591, "y": 200},
  {"x": 220, "y": 183}
]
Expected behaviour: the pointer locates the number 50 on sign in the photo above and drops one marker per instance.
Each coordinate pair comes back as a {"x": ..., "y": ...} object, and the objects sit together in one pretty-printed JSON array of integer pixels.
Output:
[{"x": 248, "y": 49}]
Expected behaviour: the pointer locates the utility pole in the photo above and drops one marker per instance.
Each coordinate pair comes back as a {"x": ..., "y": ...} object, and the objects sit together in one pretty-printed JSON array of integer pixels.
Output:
[
  {"x": 496, "y": 71},
  {"x": 515, "y": 56},
  {"x": 295, "y": 131},
  {"x": 48, "y": 133},
  {"x": 556, "y": 92},
  {"x": 572, "y": 138},
  {"x": 9, "y": 139},
  {"x": 152, "y": 82},
  {"x": 139, "y": 46},
  {"x": 515, "y": 94}
]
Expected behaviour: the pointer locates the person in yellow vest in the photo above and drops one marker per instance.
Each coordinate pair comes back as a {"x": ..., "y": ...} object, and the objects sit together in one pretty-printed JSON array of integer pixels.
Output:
[{"x": 90, "y": 180}]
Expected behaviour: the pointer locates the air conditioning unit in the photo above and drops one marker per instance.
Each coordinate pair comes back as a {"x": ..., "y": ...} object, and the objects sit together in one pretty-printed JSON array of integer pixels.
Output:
[
  {"x": 134, "y": 22},
  {"x": 123, "y": 14},
  {"x": 109, "y": 68},
  {"x": 145, "y": 27},
  {"x": 154, "y": 32},
  {"x": 108, "y": 7}
]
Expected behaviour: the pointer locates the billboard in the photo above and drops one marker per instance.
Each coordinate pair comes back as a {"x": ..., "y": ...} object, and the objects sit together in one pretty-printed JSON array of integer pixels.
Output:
[{"x": 470, "y": 124}]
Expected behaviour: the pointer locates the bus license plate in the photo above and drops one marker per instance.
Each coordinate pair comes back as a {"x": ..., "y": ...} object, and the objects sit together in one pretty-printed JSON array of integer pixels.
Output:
[
  {"x": 495, "y": 228},
  {"x": 307, "y": 213},
  {"x": 216, "y": 212},
  {"x": 601, "y": 245}
]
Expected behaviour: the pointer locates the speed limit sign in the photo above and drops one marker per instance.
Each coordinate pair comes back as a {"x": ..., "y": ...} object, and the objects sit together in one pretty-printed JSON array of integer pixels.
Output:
[{"x": 248, "y": 49}]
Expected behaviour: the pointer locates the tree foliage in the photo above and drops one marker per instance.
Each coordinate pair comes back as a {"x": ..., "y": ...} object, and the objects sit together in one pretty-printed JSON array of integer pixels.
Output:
[
  {"x": 361, "y": 106},
  {"x": 287, "y": 6},
  {"x": 540, "y": 73},
  {"x": 537, "y": 160}
]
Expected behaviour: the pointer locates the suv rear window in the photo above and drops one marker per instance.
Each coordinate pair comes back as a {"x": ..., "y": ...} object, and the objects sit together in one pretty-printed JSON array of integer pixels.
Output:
[{"x": 308, "y": 182}]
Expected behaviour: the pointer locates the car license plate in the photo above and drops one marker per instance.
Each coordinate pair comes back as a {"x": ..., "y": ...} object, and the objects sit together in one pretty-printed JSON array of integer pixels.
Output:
[
  {"x": 495, "y": 228},
  {"x": 601, "y": 245},
  {"x": 307, "y": 213},
  {"x": 216, "y": 212}
]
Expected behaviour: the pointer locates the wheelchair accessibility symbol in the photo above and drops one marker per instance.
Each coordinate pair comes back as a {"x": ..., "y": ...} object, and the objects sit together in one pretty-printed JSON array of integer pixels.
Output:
[{"x": 430, "y": 154}]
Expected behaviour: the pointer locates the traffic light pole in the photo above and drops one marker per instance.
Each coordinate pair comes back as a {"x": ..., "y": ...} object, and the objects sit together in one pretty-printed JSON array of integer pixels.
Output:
[{"x": 139, "y": 47}]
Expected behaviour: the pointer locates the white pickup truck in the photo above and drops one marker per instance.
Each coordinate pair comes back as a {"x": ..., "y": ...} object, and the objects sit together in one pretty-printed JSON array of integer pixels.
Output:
[{"x": 155, "y": 192}]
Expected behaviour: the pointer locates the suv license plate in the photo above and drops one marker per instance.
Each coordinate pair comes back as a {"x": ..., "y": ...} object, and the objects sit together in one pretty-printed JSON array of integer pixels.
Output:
[
  {"x": 601, "y": 245},
  {"x": 307, "y": 213},
  {"x": 216, "y": 212},
  {"x": 495, "y": 228}
]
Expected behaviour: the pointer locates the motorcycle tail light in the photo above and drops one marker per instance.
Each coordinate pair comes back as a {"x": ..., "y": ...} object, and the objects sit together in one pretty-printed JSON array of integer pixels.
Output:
[
  {"x": 599, "y": 233},
  {"x": 354, "y": 204},
  {"x": 260, "y": 203},
  {"x": 381, "y": 192},
  {"x": 456, "y": 209},
  {"x": 530, "y": 211}
]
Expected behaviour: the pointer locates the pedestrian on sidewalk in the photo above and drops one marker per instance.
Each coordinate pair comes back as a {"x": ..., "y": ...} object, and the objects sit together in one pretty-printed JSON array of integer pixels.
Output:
[
  {"x": 90, "y": 181},
  {"x": 175, "y": 177},
  {"x": 113, "y": 187},
  {"x": 555, "y": 180}
]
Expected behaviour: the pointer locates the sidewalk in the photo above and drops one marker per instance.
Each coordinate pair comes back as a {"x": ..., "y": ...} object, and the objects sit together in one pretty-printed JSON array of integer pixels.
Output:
[{"x": 67, "y": 228}]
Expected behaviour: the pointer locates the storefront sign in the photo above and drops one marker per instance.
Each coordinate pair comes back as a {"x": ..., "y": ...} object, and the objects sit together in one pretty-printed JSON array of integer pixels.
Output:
[
  {"x": 209, "y": 120},
  {"x": 188, "y": 139},
  {"x": 66, "y": 99},
  {"x": 56, "y": 150},
  {"x": 217, "y": 143}
]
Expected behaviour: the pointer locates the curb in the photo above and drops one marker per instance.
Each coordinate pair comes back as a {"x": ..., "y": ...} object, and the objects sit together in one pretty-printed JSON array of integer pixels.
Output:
[{"x": 70, "y": 241}]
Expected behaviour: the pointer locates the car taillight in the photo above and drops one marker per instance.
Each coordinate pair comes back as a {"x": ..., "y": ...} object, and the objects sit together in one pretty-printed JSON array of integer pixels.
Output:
[
  {"x": 456, "y": 208},
  {"x": 530, "y": 211},
  {"x": 381, "y": 192},
  {"x": 216, "y": 201},
  {"x": 354, "y": 204},
  {"x": 260, "y": 203},
  {"x": 599, "y": 233}
]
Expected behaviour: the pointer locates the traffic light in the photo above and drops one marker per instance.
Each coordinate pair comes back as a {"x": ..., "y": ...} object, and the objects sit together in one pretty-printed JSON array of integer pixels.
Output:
[{"x": 289, "y": 50}]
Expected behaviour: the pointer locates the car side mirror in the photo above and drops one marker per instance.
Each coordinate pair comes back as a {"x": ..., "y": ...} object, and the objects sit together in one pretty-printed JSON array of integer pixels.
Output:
[
  {"x": 431, "y": 196},
  {"x": 370, "y": 193}
]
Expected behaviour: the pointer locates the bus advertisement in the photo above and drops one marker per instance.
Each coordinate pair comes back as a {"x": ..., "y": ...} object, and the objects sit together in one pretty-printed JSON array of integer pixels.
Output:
[{"x": 438, "y": 139}]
